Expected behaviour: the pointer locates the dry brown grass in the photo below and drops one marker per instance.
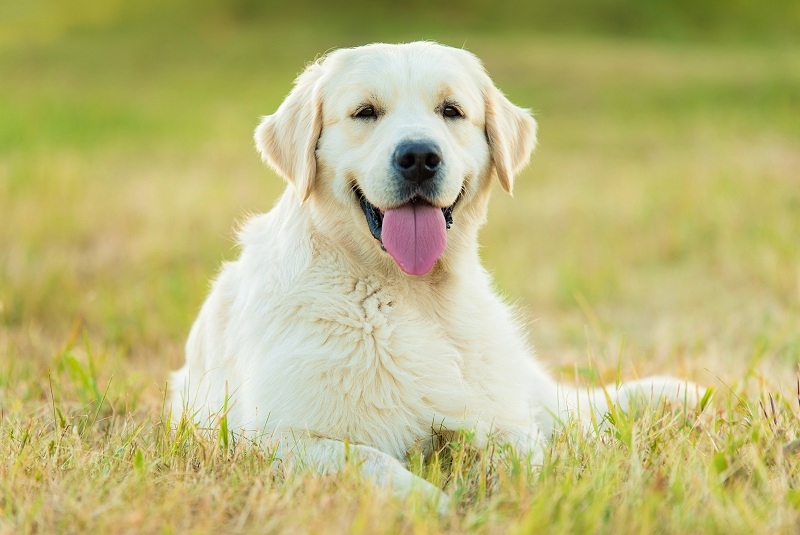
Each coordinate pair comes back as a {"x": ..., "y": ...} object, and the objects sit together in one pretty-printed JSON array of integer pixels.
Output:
[{"x": 656, "y": 231}]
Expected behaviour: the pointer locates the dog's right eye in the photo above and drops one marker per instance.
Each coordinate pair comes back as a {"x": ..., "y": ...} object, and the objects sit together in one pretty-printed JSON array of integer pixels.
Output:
[{"x": 367, "y": 112}]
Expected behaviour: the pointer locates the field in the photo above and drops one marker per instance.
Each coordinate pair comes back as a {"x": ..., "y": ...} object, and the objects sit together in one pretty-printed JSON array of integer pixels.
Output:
[{"x": 657, "y": 230}]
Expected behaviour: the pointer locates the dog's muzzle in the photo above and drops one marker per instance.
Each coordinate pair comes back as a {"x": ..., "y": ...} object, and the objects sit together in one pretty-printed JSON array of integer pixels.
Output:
[{"x": 413, "y": 233}]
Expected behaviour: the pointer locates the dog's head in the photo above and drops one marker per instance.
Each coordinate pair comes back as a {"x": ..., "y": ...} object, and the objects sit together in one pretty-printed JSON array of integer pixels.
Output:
[{"x": 394, "y": 143}]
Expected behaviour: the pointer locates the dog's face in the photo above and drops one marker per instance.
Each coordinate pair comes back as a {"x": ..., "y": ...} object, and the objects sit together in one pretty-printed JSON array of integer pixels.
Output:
[{"x": 393, "y": 142}]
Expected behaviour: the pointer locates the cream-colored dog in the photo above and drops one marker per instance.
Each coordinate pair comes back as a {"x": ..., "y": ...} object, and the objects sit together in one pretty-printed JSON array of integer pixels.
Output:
[{"x": 358, "y": 311}]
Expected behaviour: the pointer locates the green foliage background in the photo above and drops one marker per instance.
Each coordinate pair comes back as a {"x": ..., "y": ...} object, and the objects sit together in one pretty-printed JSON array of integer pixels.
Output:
[{"x": 731, "y": 20}]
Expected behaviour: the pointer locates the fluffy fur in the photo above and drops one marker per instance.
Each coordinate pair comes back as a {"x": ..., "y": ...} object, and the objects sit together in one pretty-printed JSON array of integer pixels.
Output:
[{"x": 315, "y": 334}]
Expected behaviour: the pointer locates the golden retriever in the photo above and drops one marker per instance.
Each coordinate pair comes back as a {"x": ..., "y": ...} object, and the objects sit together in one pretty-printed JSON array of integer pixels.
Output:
[{"x": 358, "y": 315}]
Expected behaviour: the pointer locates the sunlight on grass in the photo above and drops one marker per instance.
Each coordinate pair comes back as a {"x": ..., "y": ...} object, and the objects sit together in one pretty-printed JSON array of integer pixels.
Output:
[{"x": 655, "y": 231}]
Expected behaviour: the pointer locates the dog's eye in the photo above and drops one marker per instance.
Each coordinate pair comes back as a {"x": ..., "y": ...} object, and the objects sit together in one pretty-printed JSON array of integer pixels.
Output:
[
  {"x": 367, "y": 112},
  {"x": 451, "y": 111}
]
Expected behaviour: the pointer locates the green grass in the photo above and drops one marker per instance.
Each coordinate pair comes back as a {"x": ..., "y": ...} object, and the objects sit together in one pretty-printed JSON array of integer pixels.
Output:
[{"x": 656, "y": 231}]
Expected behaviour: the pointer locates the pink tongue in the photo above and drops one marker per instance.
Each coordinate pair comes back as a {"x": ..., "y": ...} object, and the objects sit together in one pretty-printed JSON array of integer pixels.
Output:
[{"x": 415, "y": 236}]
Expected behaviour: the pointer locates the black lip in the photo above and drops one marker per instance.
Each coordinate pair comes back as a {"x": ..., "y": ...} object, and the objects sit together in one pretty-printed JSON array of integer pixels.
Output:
[
  {"x": 372, "y": 213},
  {"x": 375, "y": 217}
]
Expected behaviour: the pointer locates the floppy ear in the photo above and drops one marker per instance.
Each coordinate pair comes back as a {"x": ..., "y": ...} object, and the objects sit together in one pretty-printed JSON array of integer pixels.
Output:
[
  {"x": 511, "y": 132},
  {"x": 287, "y": 139}
]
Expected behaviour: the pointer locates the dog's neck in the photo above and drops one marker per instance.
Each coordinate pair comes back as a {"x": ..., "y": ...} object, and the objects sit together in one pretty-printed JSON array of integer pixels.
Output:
[{"x": 318, "y": 228}]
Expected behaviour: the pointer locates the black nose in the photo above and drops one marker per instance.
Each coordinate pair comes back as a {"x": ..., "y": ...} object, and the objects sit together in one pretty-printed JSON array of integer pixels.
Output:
[{"x": 417, "y": 161}]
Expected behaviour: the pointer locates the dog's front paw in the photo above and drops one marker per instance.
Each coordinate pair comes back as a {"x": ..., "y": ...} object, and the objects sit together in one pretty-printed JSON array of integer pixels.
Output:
[
  {"x": 404, "y": 484},
  {"x": 436, "y": 497}
]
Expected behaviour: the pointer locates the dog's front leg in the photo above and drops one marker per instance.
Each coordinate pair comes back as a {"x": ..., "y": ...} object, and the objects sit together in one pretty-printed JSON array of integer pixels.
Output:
[{"x": 329, "y": 456}]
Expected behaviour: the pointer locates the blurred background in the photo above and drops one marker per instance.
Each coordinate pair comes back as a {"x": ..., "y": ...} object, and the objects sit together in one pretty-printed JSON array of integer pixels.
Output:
[{"x": 657, "y": 229}]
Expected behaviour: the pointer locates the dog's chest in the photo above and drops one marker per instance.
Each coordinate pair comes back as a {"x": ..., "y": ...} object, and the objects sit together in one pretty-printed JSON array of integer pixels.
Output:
[
  {"x": 367, "y": 310},
  {"x": 372, "y": 329},
  {"x": 376, "y": 368}
]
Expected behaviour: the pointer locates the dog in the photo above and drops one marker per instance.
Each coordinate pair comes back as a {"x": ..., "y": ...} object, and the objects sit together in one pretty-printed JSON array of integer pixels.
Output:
[{"x": 358, "y": 317}]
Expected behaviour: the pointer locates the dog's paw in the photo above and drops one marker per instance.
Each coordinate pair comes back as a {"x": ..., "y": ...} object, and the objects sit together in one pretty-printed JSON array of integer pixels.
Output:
[
  {"x": 444, "y": 506},
  {"x": 406, "y": 485}
]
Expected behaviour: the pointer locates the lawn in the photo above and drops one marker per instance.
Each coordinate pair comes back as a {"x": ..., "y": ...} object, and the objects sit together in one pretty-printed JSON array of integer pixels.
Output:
[{"x": 657, "y": 230}]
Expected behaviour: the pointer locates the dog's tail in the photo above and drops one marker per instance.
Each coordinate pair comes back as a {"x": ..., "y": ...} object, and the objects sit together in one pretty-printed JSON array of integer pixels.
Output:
[{"x": 591, "y": 406}]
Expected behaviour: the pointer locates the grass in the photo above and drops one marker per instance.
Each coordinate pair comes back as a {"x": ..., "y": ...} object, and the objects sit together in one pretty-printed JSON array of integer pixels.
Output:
[{"x": 656, "y": 231}]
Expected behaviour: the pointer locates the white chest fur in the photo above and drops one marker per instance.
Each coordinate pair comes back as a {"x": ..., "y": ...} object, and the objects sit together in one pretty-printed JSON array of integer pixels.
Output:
[
  {"x": 337, "y": 356},
  {"x": 304, "y": 341}
]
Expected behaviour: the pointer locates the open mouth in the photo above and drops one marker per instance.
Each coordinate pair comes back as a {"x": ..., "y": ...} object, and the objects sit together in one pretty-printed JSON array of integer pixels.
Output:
[{"x": 414, "y": 234}]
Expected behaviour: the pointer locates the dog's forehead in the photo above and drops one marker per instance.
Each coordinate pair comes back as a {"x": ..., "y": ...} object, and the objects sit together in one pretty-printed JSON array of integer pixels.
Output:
[{"x": 391, "y": 73}]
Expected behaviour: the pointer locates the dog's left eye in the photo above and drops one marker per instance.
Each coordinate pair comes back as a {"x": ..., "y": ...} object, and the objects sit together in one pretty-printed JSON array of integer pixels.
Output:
[
  {"x": 451, "y": 111},
  {"x": 367, "y": 112}
]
